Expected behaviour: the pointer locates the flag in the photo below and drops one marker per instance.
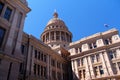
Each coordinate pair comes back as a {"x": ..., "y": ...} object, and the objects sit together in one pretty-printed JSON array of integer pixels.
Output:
[{"x": 106, "y": 25}]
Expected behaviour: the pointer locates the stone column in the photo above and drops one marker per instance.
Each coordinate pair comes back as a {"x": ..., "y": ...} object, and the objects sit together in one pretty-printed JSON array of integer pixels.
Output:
[
  {"x": 91, "y": 68},
  {"x": 73, "y": 69},
  {"x": 11, "y": 33},
  {"x": 88, "y": 76},
  {"x": 76, "y": 69},
  {"x": 65, "y": 37},
  {"x": 55, "y": 35},
  {"x": 108, "y": 64},
  {"x": 61, "y": 71},
  {"x": 49, "y": 36},
  {"x": 60, "y": 36},
  {"x": 104, "y": 64},
  {"x": 56, "y": 69},
  {"x": 45, "y": 38}
]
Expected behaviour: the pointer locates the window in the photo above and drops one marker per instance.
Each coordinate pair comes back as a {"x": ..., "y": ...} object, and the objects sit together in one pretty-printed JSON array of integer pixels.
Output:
[
  {"x": 36, "y": 54},
  {"x": 80, "y": 74},
  {"x": 41, "y": 71},
  {"x": 7, "y": 13},
  {"x": 53, "y": 62},
  {"x": 96, "y": 71},
  {"x": 101, "y": 70},
  {"x": 114, "y": 68},
  {"x": 0, "y": 61},
  {"x": 2, "y": 33},
  {"x": 21, "y": 68},
  {"x": 19, "y": 20},
  {"x": 98, "y": 57},
  {"x": 80, "y": 50},
  {"x": 94, "y": 45},
  {"x": 90, "y": 46},
  {"x": 93, "y": 58},
  {"x": 39, "y": 55},
  {"x": 38, "y": 70},
  {"x": 45, "y": 72},
  {"x": 112, "y": 54},
  {"x": 58, "y": 64},
  {"x": 45, "y": 58},
  {"x": 58, "y": 75},
  {"x": 53, "y": 75},
  {"x": 1, "y": 7},
  {"x": 108, "y": 41},
  {"x": 22, "y": 49},
  {"x": 78, "y": 62},
  {"x": 76, "y": 50},
  {"x": 119, "y": 65},
  {"x": 42, "y": 57},
  {"x": 35, "y": 69},
  {"x": 83, "y": 73},
  {"x": 82, "y": 61}
]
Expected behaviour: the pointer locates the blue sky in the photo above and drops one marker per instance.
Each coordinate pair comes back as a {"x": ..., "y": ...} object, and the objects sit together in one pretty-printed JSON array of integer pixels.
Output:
[{"x": 82, "y": 17}]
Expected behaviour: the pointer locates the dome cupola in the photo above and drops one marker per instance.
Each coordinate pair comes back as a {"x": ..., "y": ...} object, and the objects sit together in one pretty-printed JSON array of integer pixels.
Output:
[{"x": 56, "y": 32}]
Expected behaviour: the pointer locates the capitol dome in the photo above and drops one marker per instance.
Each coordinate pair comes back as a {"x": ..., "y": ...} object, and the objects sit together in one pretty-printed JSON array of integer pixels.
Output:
[
  {"x": 55, "y": 21},
  {"x": 56, "y": 32}
]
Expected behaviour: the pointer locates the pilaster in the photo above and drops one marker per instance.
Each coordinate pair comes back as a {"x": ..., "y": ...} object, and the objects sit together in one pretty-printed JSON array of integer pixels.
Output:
[
  {"x": 10, "y": 40},
  {"x": 88, "y": 76},
  {"x": 104, "y": 64},
  {"x": 91, "y": 68}
]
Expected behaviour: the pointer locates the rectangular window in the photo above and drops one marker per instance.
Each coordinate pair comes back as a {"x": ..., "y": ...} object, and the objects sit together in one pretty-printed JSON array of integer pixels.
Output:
[
  {"x": 101, "y": 70},
  {"x": 111, "y": 55},
  {"x": 98, "y": 57},
  {"x": 22, "y": 49},
  {"x": 36, "y": 54},
  {"x": 19, "y": 20},
  {"x": 114, "y": 68},
  {"x": 96, "y": 71},
  {"x": 84, "y": 73},
  {"x": 38, "y": 70},
  {"x": 45, "y": 72},
  {"x": 119, "y": 65},
  {"x": 2, "y": 33},
  {"x": 53, "y": 62},
  {"x": 39, "y": 55},
  {"x": 42, "y": 57},
  {"x": 0, "y": 61},
  {"x": 58, "y": 64},
  {"x": 78, "y": 62},
  {"x": 90, "y": 46},
  {"x": 21, "y": 68},
  {"x": 45, "y": 58},
  {"x": 80, "y": 74},
  {"x": 53, "y": 75},
  {"x": 35, "y": 69},
  {"x": 93, "y": 58},
  {"x": 1, "y": 7},
  {"x": 8, "y": 13},
  {"x": 41, "y": 71},
  {"x": 82, "y": 61}
]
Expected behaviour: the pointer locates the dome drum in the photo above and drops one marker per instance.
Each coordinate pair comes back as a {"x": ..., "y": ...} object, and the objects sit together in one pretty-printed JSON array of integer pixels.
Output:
[{"x": 53, "y": 36}]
